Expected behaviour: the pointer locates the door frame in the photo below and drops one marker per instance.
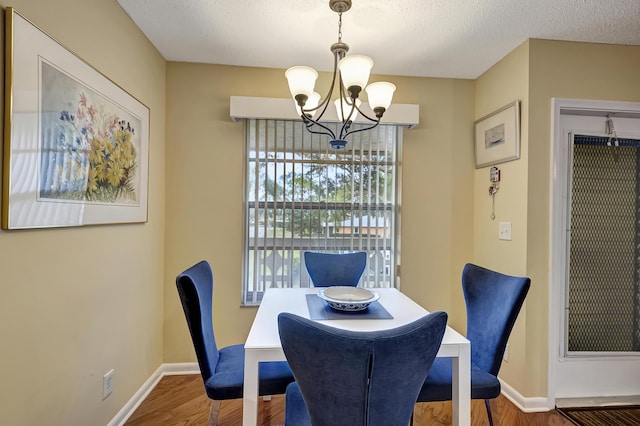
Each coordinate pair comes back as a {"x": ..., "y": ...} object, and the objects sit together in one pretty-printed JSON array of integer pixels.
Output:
[{"x": 558, "y": 214}]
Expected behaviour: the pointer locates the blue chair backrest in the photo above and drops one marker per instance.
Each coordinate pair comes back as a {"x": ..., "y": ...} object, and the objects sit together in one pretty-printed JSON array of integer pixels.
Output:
[
  {"x": 331, "y": 269},
  {"x": 360, "y": 378},
  {"x": 195, "y": 287},
  {"x": 493, "y": 302}
]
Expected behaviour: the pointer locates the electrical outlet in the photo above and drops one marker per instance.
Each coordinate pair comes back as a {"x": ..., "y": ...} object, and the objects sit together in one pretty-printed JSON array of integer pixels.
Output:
[
  {"x": 107, "y": 384},
  {"x": 505, "y": 356}
]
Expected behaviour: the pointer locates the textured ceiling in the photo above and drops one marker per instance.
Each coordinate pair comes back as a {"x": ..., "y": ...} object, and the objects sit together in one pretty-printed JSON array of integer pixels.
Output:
[{"x": 429, "y": 38}]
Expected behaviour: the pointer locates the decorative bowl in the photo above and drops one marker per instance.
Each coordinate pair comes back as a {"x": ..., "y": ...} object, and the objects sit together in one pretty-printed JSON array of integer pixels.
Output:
[{"x": 349, "y": 299}]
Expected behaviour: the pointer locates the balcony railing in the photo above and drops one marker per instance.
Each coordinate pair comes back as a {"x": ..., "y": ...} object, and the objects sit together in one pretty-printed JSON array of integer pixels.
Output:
[{"x": 284, "y": 268}]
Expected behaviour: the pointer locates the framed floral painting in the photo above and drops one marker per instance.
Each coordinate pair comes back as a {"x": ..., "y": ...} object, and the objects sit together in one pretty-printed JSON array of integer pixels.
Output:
[{"x": 75, "y": 143}]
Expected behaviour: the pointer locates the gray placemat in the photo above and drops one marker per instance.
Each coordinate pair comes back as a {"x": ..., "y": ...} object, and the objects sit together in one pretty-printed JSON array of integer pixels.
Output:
[{"x": 320, "y": 310}]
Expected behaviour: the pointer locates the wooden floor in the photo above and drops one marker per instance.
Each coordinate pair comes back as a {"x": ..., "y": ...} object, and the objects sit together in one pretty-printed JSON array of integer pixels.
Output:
[{"x": 181, "y": 400}]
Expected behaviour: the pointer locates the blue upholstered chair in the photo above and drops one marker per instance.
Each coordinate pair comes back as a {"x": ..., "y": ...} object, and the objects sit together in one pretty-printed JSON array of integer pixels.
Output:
[
  {"x": 493, "y": 301},
  {"x": 329, "y": 269},
  {"x": 222, "y": 369},
  {"x": 347, "y": 378}
]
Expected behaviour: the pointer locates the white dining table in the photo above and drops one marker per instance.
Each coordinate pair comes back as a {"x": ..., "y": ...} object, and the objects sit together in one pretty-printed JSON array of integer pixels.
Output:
[{"x": 263, "y": 342}]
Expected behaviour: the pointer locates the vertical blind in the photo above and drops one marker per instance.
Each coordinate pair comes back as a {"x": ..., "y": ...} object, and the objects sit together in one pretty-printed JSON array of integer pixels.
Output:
[{"x": 301, "y": 195}]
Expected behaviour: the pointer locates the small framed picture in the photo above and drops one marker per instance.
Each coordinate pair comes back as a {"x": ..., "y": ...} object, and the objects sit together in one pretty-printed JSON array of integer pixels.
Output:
[{"x": 497, "y": 136}]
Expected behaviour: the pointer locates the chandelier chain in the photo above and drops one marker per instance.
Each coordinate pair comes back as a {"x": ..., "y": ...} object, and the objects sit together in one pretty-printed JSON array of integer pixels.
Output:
[{"x": 340, "y": 27}]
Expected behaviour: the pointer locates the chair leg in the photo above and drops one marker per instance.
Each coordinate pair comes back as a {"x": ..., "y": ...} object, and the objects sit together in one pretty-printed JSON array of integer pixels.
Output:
[
  {"x": 214, "y": 412},
  {"x": 488, "y": 405}
]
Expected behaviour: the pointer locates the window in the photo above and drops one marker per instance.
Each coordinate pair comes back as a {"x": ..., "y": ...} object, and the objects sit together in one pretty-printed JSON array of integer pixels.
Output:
[{"x": 302, "y": 195}]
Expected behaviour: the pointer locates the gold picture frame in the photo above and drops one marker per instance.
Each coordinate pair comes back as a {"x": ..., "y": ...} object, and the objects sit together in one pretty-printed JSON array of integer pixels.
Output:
[
  {"x": 497, "y": 136},
  {"x": 76, "y": 145}
]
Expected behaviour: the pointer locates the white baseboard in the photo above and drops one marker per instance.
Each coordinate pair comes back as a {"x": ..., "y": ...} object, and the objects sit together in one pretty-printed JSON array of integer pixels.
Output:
[
  {"x": 526, "y": 404},
  {"x": 180, "y": 368},
  {"x": 599, "y": 401},
  {"x": 146, "y": 388}
]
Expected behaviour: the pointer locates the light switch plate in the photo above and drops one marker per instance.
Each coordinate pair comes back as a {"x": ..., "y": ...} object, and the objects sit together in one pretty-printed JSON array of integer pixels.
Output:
[
  {"x": 504, "y": 231},
  {"x": 107, "y": 384}
]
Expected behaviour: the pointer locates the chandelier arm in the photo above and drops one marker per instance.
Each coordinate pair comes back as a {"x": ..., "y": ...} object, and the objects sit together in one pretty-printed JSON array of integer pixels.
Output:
[
  {"x": 344, "y": 130},
  {"x": 310, "y": 122},
  {"x": 325, "y": 102},
  {"x": 344, "y": 94},
  {"x": 347, "y": 118},
  {"x": 366, "y": 116},
  {"x": 317, "y": 132},
  {"x": 346, "y": 121},
  {"x": 350, "y": 132}
]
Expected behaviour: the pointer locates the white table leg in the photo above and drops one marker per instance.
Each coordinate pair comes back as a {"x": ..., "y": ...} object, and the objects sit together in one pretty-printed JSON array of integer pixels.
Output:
[
  {"x": 250, "y": 391},
  {"x": 461, "y": 387}
]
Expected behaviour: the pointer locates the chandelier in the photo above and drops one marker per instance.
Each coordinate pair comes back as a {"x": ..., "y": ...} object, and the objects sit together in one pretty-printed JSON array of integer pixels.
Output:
[{"x": 352, "y": 73}]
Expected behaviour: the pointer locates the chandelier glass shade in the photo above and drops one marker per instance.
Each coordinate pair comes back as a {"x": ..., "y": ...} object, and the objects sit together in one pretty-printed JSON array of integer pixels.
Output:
[{"x": 350, "y": 77}]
